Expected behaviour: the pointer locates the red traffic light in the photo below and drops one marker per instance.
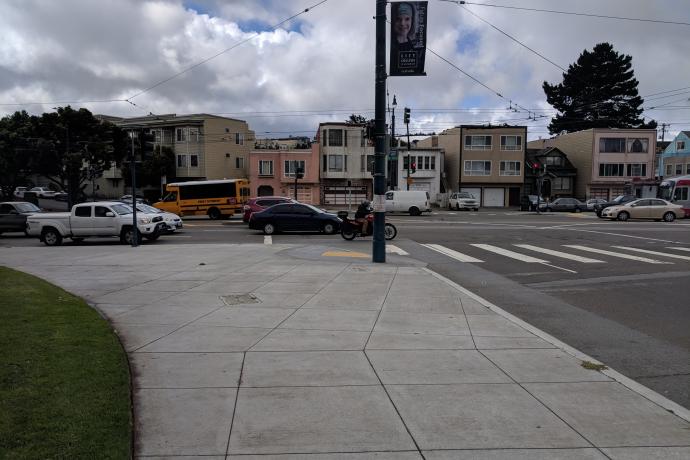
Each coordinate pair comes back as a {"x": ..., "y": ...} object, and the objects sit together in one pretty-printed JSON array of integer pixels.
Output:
[{"x": 536, "y": 165}]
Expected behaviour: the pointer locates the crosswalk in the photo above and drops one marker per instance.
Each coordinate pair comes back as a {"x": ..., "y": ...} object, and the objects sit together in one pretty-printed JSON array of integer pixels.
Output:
[{"x": 572, "y": 253}]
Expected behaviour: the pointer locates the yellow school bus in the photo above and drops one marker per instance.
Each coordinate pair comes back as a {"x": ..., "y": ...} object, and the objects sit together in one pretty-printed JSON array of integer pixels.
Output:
[{"x": 217, "y": 199}]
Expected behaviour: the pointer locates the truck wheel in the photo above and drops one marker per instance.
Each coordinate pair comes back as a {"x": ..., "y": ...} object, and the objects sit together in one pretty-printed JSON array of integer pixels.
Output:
[
  {"x": 127, "y": 235},
  {"x": 414, "y": 211},
  {"x": 51, "y": 237},
  {"x": 214, "y": 214}
]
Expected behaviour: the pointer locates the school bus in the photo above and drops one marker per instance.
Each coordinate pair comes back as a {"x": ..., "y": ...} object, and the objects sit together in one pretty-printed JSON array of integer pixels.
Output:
[{"x": 217, "y": 199}]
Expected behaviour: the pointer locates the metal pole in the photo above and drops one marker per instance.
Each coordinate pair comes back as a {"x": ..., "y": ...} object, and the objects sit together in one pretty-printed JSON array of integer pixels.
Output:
[
  {"x": 294, "y": 169},
  {"x": 408, "y": 157},
  {"x": 394, "y": 163},
  {"x": 379, "y": 244},
  {"x": 135, "y": 229}
]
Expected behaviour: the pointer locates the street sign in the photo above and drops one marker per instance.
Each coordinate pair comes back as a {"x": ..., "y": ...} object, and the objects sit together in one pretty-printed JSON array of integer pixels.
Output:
[{"x": 393, "y": 154}]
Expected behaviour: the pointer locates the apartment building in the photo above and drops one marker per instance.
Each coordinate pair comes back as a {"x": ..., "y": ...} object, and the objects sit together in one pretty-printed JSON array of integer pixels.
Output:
[
  {"x": 449, "y": 142},
  {"x": 272, "y": 172},
  {"x": 609, "y": 161},
  {"x": 428, "y": 165},
  {"x": 346, "y": 163},
  {"x": 675, "y": 160},
  {"x": 492, "y": 159}
]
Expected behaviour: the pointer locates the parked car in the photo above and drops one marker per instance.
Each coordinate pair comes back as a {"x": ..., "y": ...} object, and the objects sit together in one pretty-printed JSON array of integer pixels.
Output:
[
  {"x": 463, "y": 200},
  {"x": 564, "y": 204},
  {"x": 260, "y": 203},
  {"x": 413, "y": 202},
  {"x": 645, "y": 208},
  {"x": 13, "y": 215},
  {"x": 128, "y": 199},
  {"x": 19, "y": 192},
  {"x": 592, "y": 202},
  {"x": 620, "y": 199},
  {"x": 43, "y": 192},
  {"x": 100, "y": 218},
  {"x": 172, "y": 221},
  {"x": 294, "y": 217}
]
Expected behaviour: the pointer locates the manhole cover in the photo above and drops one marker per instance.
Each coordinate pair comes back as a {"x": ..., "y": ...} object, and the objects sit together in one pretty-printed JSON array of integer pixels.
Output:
[{"x": 239, "y": 299}]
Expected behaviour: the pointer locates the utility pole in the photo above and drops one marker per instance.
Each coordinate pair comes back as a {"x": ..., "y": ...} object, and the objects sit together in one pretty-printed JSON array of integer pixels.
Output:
[
  {"x": 135, "y": 228},
  {"x": 406, "y": 120},
  {"x": 379, "y": 244},
  {"x": 393, "y": 174}
]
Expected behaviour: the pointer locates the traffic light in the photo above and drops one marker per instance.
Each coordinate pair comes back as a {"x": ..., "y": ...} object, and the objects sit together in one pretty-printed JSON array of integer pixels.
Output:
[
  {"x": 299, "y": 173},
  {"x": 147, "y": 140},
  {"x": 406, "y": 116},
  {"x": 413, "y": 167}
]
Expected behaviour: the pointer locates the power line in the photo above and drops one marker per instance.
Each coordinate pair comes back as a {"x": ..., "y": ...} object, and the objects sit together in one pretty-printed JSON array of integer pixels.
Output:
[
  {"x": 64, "y": 102},
  {"x": 573, "y": 13}
]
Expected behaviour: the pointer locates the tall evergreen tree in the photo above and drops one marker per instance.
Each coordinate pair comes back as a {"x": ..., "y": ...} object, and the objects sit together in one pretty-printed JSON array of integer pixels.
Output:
[{"x": 598, "y": 91}]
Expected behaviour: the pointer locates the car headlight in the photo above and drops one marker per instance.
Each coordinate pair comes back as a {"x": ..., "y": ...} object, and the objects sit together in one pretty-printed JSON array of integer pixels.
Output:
[{"x": 144, "y": 220}]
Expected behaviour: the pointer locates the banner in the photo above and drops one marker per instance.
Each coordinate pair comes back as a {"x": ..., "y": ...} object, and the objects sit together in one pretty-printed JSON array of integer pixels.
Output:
[{"x": 408, "y": 38}]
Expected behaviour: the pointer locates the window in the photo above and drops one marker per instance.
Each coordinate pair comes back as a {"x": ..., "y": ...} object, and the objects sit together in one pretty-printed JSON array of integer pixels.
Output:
[
  {"x": 687, "y": 168},
  {"x": 426, "y": 162},
  {"x": 291, "y": 167},
  {"x": 370, "y": 163},
  {"x": 194, "y": 134},
  {"x": 83, "y": 211},
  {"x": 669, "y": 170},
  {"x": 680, "y": 145},
  {"x": 157, "y": 135},
  {"x": 433, "y": 163},
  {"x": 638, "y": 145},
  {"x": 239, "y": 163},
  {"x": 239, "y": 138},
  {"x": 420, "y": 162},
  {"x": 553, "y": 160},
  {"x": 337, "y": 163},
  {"x": 612, "y": 145},
  {"x": 265, "y": 167},
  {"x": 679, "y": 170},
  {"x": 181, "y": 134},
  {"x": 335, "y": 137},
  {"x": 477, "y": 168},
  {"x": 389, "y": 195},
  {"x": 611, "y": 170},
  {"x": 100, "y": 211},
  {"x": 181, "y": 161},
  {"x": 194, "y": 161},
  {"x": 637, "y": 170},
  {"x": 511, "y": 142},
  {"x": 478, "y": 142},
  {"x": 325, "y": 163},
  {"x": 510, "y": 168},
  {"x": 325, "y": 137},
  {"x": 681, "y": 193},
  {"x": 560, "y": 183}
]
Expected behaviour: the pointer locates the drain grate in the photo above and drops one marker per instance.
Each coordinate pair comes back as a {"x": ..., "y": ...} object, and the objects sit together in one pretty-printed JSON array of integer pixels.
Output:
[{"x": 239, "y": 299}]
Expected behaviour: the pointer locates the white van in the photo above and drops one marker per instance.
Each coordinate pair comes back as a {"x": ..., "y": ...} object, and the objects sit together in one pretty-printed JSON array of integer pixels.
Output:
[{"x": 413, "y": 201}]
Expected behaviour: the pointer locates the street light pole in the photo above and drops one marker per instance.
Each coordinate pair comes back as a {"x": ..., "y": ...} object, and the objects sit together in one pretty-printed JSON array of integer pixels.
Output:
[
  {"x": 379, "y": 243},
  {"x": 135, "y": 228},
  {"x": 393, "y": 174}
]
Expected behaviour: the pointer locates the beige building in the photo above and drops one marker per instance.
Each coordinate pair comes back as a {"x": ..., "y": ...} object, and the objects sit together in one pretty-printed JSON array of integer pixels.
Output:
[
  {"x": 449, "y": 142},
  {"x": 609, "y": 161}
]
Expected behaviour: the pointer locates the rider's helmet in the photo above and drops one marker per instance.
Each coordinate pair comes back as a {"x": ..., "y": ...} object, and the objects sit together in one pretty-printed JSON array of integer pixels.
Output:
[{"x": 365, "y": 203}]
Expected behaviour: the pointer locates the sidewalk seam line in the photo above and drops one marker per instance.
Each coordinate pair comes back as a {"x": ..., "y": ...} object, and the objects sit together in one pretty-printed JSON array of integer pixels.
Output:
[{"x": 234, "y": 407}]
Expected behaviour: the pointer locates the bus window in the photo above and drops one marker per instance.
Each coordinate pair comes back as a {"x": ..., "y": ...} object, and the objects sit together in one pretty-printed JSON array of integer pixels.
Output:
[
  {"x": 681, "y": 194},
  {"x": 172, "y": 196}
]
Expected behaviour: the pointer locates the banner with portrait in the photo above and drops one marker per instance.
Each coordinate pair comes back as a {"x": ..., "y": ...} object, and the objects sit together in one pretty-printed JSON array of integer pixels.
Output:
[{"x": 408, "y": 38}]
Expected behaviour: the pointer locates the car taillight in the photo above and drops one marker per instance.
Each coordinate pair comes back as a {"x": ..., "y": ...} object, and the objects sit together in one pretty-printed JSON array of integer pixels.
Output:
[{"x": 246, "y": 207}]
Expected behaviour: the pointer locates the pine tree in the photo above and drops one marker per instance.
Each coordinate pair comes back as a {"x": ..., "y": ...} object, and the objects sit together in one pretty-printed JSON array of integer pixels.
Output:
[{"x": 598, "y": 91}]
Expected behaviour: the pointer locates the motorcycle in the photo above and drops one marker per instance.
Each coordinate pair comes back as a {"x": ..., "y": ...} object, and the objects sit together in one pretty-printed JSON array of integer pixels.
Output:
[{"x": 350, "y": 228}]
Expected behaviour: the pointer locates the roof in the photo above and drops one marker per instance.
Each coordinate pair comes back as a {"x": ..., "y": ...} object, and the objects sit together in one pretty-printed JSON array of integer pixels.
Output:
[
  {"x": 203, "y": 182},
  {"x": 687, "y": 133},
  {"x": 491, "y": 127},
  {"x": 164, "y": 119}
]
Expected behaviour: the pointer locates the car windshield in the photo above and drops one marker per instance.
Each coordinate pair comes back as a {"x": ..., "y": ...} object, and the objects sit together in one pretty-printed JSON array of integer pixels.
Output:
[
  {"x": 121, "y": 209},
  {"x": 27, "y": 207},
  {"x": 465, "y": 195},
  {"x": 146, "y": 208},
  {"x": 618, "y": 199}
]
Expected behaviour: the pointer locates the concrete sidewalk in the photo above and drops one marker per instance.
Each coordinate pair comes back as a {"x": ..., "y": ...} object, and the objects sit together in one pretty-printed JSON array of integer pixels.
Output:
[{"x": 276, "y": 352}]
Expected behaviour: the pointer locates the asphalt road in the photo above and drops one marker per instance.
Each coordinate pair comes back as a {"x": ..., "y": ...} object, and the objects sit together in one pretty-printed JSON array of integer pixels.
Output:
[{"x": 631, "y": 313}]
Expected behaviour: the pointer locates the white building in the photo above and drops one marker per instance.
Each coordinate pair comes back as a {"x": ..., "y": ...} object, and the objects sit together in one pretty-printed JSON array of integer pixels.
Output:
[{"x": 429, "y": 171}]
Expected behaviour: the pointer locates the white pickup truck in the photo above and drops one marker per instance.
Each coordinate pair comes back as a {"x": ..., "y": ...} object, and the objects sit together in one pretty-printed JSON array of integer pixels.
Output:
[{"x": 102, "y": 218}]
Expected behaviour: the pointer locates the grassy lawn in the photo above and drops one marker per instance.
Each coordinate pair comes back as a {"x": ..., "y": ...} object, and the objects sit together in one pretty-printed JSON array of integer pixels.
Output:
[{"x": 64, "y": 380}]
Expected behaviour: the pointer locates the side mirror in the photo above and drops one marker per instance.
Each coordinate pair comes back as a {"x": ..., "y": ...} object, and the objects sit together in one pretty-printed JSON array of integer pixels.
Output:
[{"x": 109, "y": 214}]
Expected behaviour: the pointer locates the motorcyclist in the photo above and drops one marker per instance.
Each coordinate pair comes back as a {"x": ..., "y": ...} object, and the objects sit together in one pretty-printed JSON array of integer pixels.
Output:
[{"x": 363, "y": 211}]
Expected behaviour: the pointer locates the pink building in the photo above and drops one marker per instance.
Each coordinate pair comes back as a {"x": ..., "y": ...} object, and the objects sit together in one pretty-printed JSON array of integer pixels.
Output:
[{"x": 272, "y": 173}]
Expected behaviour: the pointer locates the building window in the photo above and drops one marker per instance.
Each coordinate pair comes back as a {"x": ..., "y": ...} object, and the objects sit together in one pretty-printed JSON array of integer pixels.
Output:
[
  {"x": 511, "y": 142},
  {"x": 368, "y": 163},
  {"x": 335, "y": 137},
  {"x": 510, "y": 168},
  {"x": 679, "y": 170},
  {"x": 194, "y": 161},
  {"x": 433, "y": 163},
  {"x": 680, "y": 145},
  {"x": 325, "y": 163},
  {"x": 637, "y": 170},
  {"x": 239, "y": 163},
  {"x": 426, "y": 163},
  {"x": 157, "y": 135},
  {"x": 560, "y": 183},
  {"x": 434, "y": 141},
  {"x": 265, "y": 167},
  {"x": 553, "y": 160},
  {"x": 669, "y": 170},
  {"x": 193, "y": 134},
  {"x": 611, "y": 170},
  {"x": 612, "y": 145},
  {"x": 477, "y": 168},
  {"x": 181, "y": 134},
  {"x": 239, "y": 138},
  {"x": 337, "y": 163},
  {"x": 291, "y": 167},
  {"x": 478, "y": 142},
  {"x": 687, "y": 168},
  {"x": 181, "y": 161},
  {"x": 638, "y": 145}
]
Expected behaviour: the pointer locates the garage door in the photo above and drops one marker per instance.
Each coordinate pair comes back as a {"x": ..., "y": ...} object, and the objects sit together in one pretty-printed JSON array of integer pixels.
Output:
[
  {"x": 421, "y": 186},
  {"x": 494, "y": 197},
  {"x": 476, "y": 192}
]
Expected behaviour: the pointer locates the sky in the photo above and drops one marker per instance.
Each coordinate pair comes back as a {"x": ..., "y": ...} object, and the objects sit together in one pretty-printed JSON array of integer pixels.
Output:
[{"x": 117, "y": 57}]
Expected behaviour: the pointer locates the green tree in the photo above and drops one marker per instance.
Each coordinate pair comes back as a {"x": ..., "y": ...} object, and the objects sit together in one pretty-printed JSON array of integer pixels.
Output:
[
  {"x": 150, "y": 170},
  {"x": 356, "y": 119},
  {"x": 17, "y": 141},
  {"x": 597, "y": 91}
]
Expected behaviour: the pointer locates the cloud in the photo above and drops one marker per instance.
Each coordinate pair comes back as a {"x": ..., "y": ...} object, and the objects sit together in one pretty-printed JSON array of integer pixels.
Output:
[{"x": 321, "y": 63}]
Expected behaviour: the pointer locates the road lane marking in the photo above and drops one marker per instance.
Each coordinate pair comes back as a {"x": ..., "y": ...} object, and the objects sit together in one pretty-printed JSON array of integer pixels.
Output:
[
  {"x": 393, "y": 249},
  {"x": 654, "y": 253},
  {"x": 268, "y": 239},
  {"x": 359, "y": 255},
  {"x": 511, "y": 254},
  {"x": 615, "y": 254},
  {"x": 621, "y": 234},
  {"x": 678, "y": 249},
  {"x": 451, "y": 253},
  {"x": 563, "y": 255}
]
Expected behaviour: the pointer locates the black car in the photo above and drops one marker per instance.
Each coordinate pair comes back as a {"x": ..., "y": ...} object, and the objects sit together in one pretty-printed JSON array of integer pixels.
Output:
[
  {"x": 564, "y": 204},
  {"x": 13, "y": 215},
  {"x": 620, "y": 199},
  {"x": 294, "y": 217}
]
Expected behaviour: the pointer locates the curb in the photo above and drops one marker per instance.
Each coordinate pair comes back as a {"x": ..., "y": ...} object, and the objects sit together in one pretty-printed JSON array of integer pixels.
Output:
[{"x": 632, "y": 385}]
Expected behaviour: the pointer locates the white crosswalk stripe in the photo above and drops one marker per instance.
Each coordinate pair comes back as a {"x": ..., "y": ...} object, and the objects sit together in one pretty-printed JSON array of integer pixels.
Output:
[
  {"x": 451, "y": 253},
  {"x": 563, "y": 255},
  {"x": 678, "y": 249},
  {"x": 268, "y": 239},
  {"x": 654, "y": 253},
  {"x": 511, "y": 254},
  {"x": 393, "y": 249},
  {"x": 616, "y": 254}
]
